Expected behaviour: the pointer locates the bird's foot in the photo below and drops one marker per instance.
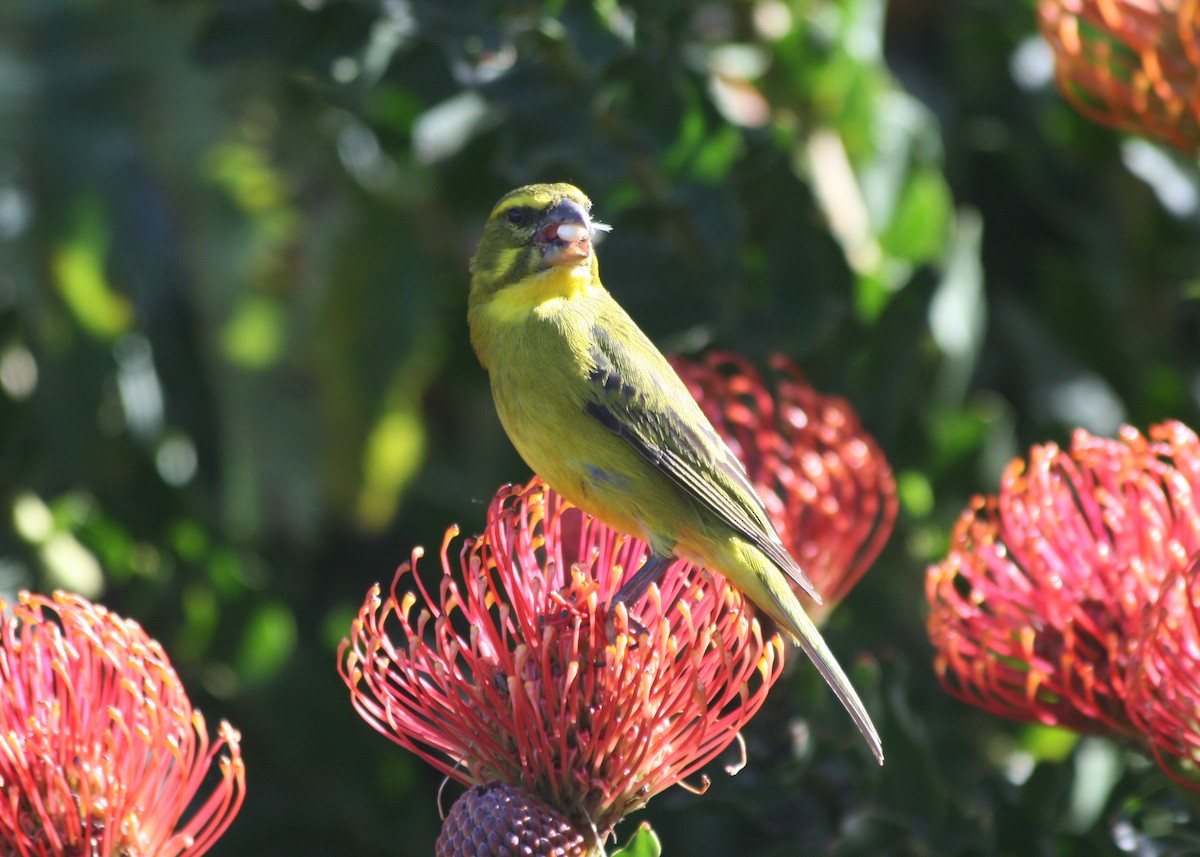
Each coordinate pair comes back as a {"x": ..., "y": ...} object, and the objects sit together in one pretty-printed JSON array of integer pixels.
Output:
[{"x": 618, "y": 612}]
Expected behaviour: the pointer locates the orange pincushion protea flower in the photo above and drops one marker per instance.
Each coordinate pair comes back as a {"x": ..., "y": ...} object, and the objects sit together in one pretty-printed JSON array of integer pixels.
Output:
[
  {"x": 1130, "y": 64},
  {"x": 101, "y": 752},
  {"x": 506, "y": 673},
  {"x": 1065, "y": 598}
]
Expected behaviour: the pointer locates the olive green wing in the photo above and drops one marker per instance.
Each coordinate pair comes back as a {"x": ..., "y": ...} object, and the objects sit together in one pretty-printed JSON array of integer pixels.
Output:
[{"x": 640, "y": 398}]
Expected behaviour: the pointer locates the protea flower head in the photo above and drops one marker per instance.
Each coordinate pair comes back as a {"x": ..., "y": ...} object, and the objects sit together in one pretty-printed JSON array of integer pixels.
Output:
[
  {"x": 1130, "y": 64},
  {"x": 826, "y": 483},
  {"x": 101, "y": 752},
  {"x": 504, "y": 672},
  {"x": 1038, "y": 610}
]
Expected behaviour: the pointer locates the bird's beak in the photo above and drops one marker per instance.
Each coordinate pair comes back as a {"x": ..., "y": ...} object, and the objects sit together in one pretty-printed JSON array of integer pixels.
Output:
[{"x": 565, "y": 235}]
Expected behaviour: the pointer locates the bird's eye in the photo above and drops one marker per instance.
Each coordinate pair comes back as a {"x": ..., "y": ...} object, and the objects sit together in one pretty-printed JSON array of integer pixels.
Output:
[{"x": 518, "y": 216}]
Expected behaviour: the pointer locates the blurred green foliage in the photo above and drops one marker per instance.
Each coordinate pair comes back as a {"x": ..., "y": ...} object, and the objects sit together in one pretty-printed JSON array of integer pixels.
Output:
[{"x": 236, "y": 386}]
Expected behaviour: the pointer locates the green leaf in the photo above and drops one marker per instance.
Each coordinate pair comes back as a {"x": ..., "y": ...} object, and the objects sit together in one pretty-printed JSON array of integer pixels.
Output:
[
  {"x": 79, "y": 267},
  {"x": 267, "y": 643},
  {"x": 920, "y": 228},
  {"x": 643, "y": 843},
  {"x": 253, "y": 336},
  {"x": 1048, "y": 743},
  {"x": 916, "y": 493}
]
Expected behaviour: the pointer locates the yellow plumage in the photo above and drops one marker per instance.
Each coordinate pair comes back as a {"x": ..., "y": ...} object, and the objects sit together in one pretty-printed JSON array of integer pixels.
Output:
[{"x": 595, "y": 409}]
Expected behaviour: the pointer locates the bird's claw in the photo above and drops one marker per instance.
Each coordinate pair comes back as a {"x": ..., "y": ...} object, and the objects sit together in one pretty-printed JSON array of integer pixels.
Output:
[{"x": 633, "y": 627}]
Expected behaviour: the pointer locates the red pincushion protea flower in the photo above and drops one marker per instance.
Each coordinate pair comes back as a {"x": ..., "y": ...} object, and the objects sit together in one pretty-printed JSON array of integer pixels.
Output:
[
  {"x": 101, "y": 753},
  {"x": 1165, "y": 685},
  {"x": 826, "y": 483},
  {"x": 505, "y": 673},
  {"x": 1130, "y": 64},
  {"x": 1037, "y": 609}
]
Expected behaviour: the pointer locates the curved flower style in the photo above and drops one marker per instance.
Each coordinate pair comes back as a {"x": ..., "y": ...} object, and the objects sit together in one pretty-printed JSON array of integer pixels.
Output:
[
  {"x": 1130, "y": 64},
  {"x": 505, "y": 672},
  {"x": 101, "y": 753},
  {"x": 1037, "y": 611},
  {"x": 827, "y": 484},
  {"x": 1165, "y": 685}
]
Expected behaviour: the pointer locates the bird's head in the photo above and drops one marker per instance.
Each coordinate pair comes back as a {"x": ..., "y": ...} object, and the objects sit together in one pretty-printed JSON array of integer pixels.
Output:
[{"x": 531, "y": 230}]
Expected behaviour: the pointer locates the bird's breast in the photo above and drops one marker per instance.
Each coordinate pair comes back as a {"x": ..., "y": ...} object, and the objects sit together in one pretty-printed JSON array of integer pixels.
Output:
[{"x": 542, "y": 295}]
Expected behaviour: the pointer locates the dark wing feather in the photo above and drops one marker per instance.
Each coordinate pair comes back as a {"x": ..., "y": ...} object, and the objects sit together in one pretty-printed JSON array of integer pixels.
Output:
[{"x": 671, "y": 433}]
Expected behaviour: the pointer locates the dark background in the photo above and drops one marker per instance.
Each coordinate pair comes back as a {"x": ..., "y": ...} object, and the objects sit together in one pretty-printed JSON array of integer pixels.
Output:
[{"x": 236, "y": 386}]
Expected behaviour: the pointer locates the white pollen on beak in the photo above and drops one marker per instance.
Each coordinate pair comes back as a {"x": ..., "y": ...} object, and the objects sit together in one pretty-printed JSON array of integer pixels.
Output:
[{"x": 572, "y": 232}]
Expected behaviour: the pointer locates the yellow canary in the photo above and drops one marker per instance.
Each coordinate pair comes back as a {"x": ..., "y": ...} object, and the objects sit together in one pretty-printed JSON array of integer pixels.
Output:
[{"x": 596, "y": 410}]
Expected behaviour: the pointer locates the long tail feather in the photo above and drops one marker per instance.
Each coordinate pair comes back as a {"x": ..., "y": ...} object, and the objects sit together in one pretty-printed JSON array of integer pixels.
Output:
[
  {"x": 772, "y": 594},
  {"x": 810, "y": 640}
]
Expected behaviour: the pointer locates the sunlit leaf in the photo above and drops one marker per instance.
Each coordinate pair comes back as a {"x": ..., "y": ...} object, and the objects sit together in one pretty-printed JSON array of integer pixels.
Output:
[
  {"x": 920, "y": 224},
  {"x": 244, "y": 171},
  {"x": 253, "y": 338},
  {"x": 915, "y": 493},
  {"x": 71, "y": 566},
  {"x": 643, "y": 843},
  {"x": 1048, "y": 743},
  {"x": 79, "y": 269},
  {"x": 392, "y": 456},
  {"x": 267, "y": 643}
]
